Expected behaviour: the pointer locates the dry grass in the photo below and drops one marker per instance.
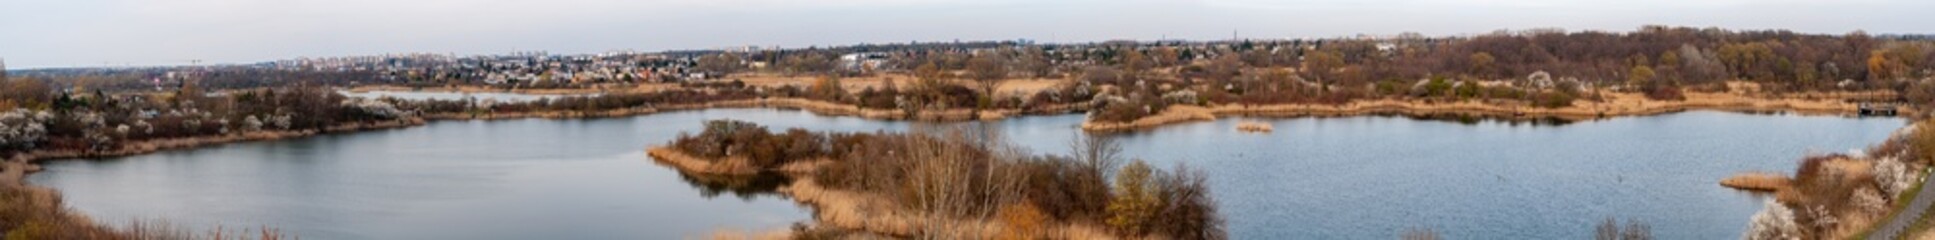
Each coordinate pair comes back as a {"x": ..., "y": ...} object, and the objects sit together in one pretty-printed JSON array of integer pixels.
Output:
[
  {"x": 878, "y": 214},
  {"x": 1254, "y": 127},
  {"x": 1026, "y": 87},
  {"x": 697, "y": 165},
  {"x": 851, "y": 210},
  {"x": 1172, "y": 114},
  {"x": 1758, "y": 181}
]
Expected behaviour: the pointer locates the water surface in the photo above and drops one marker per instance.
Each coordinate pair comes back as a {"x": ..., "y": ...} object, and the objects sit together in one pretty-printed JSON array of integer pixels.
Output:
[{"x": 1313, "y": 178}]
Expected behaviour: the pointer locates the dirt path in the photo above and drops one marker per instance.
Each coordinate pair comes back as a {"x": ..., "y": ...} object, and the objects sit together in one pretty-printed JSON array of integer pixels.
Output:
[{"x": 1916, "y": 207}]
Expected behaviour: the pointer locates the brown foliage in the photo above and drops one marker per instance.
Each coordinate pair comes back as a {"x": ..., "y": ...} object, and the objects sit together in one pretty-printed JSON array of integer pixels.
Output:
[
  {"x": 1921, "y": 142},
  {"x": 1023, "y": 221}
]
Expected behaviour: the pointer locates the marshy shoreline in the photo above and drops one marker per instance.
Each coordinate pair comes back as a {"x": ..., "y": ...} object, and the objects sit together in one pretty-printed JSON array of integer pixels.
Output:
[{"x": 1623, "y": 105}]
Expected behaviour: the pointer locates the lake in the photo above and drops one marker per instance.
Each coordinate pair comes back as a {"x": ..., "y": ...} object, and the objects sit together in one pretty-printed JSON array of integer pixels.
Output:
[{"x": 1313, "y": 178}]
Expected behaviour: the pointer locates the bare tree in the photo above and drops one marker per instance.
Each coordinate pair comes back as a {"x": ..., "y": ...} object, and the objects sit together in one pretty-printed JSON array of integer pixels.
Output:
[
  {"x": 1320, "y": 64},
  {"x": 987, "y": 70},
  {"x": 928, "y": 76},
  {"x": 956, "y": 178},
  {"x": 1224, "y": 68},
  {"x": 1034, "y": 62},
  {"x": 1099, "y": 153},
  {"x": 1133, "y": 61}
]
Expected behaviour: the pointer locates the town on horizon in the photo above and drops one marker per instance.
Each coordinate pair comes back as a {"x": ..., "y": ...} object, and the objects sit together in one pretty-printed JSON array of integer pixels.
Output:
[{"x": 749, "y": 48}]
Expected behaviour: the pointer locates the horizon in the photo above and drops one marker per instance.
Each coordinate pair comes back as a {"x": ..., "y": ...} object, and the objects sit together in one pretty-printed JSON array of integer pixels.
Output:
[
  {"x": 1034, "y": 41},
  {"x": 119, "y": 33}
]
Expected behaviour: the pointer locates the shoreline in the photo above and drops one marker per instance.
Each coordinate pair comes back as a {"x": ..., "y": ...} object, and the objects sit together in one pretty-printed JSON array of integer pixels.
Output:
[
  {"x": 15, "y": 169},
  {"x": 1624, "y": 106}
]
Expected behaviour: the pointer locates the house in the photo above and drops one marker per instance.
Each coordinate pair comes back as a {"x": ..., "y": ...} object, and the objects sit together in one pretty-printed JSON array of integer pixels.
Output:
[{"x": 862, "y": 62}]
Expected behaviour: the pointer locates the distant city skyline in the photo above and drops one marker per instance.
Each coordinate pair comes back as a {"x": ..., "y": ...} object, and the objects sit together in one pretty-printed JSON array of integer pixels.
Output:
[{"x": 112, "y": 33}]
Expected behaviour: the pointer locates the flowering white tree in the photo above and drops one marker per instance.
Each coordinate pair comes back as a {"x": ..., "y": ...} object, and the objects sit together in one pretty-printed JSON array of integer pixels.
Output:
[
  {"x": 251, "y": 123},
  {"x": 21, "y": 129},
  {"x": 377, "y": 108},
  {"x": 1893, "y": 175},
  {"x": 1774, "y": 221}
]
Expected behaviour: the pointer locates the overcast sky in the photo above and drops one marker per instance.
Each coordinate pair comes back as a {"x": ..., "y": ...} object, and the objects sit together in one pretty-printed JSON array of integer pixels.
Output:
[{"x": 77, "y": 33}]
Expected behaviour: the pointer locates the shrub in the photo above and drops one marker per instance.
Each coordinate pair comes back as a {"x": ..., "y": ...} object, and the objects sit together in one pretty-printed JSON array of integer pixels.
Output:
[
  {"x": 1187, "y": 210},
  {"x": 1663, "y": 92},
  {"x": 1135, "y": 203},
  {"x": 1130, "y": 110},
  {"x": 733, "y": 138},
  {"x": 1553, "y": 99},
  {"x": 1921, "y": 142}
]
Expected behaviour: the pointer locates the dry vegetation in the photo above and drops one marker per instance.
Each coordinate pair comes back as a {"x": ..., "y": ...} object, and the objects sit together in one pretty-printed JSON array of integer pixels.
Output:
[
  {"x": 961, "y": 184},
  {"x": 1757, "y": 181},
  {"x": 1252, "y": 126},
  {"x": 1838, "y": 196}
]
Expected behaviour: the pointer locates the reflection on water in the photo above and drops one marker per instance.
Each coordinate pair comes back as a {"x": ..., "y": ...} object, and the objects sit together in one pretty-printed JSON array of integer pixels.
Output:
[{"x": 744, "y": 187}]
